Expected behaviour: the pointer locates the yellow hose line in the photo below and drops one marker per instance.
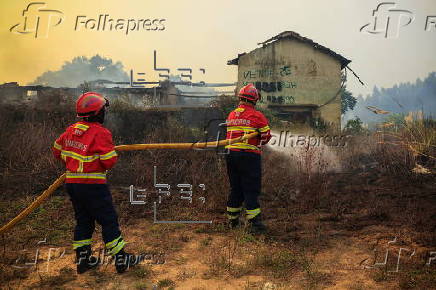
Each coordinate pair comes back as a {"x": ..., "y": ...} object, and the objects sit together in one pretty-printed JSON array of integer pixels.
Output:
[
  {"x": 58, "y": 182},
  {"x": 184, "y": 145},
  {"x": 34, "y": 204}
]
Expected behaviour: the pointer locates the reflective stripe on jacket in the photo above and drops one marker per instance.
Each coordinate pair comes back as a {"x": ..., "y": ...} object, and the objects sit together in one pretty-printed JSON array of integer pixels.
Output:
[
  {"x": 88, "y": 152},
  {"x": 246, "y": 119}
]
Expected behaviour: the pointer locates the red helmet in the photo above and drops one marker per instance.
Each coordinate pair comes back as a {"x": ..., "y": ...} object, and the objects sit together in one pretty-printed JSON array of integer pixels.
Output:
[
  {"x": 249, "y": 92},
  {"x": 90, "y": 104}
]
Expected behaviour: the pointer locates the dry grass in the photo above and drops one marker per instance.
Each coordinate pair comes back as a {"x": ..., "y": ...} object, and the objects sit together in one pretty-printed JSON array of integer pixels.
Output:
[{"x": 301, "y": 202}]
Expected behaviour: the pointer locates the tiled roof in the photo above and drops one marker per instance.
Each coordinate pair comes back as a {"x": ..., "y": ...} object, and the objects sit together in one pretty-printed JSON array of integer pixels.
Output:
[{"x": 293, "y": 35}]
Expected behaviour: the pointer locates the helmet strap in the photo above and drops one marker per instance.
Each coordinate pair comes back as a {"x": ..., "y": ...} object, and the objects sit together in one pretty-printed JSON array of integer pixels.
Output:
[
  {"x": 99, "y": 118},
  {"x": 247, "y": 101}
]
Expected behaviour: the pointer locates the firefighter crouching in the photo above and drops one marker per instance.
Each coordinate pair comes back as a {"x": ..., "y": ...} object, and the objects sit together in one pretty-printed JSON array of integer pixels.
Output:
[
  {"x": 87, "y": 150},
  {"x": 244, "y": 159}
]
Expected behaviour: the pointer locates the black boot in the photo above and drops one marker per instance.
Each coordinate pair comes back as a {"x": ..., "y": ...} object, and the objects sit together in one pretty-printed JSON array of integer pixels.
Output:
[
  {"x": 84, "y": 259},
  {"x": 233, "y": 223},
  {"x": 255, "y": 225},
  {"x": 233, "y": 216},
  {"x": 124, "y": 261}
]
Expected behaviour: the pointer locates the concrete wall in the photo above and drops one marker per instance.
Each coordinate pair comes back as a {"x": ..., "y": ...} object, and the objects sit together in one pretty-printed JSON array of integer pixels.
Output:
[
  {"x": 298, "y": 73},
  {"x": 165, "y": 95}
]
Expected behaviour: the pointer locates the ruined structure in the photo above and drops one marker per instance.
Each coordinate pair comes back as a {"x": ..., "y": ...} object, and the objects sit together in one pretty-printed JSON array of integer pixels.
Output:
[
  {"x": 164, "y": 94},
  {"x": 164, "y": 100},
  {"x": 298, "y": 78}
]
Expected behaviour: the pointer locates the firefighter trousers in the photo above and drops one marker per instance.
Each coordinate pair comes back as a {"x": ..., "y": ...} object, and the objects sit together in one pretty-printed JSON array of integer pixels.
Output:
[
  {"x": 91, "y": 203},
  {"x": 245, "y": 176}
]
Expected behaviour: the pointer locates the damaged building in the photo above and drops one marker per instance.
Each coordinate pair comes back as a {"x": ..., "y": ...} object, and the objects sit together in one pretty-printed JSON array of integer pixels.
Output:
[
  {"x": 299, "y": 79},
  {"x": 166, "y": 94},
  {"x": 166, "y": 99}
]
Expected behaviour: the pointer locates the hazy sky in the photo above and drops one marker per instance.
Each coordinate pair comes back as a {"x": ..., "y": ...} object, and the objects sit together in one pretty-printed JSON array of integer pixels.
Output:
[{"x": 207, "y": 33}]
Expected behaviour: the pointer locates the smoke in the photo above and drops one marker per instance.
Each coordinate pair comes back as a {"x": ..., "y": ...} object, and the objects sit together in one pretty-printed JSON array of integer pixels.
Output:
[
  {"x": 80, "y": 69},
  {"x": 400, "y": 99},
  {"x": 194, "y": 95}
]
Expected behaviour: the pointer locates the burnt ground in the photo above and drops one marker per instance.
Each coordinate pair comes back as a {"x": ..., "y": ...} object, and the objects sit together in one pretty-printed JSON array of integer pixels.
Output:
[
  {"x": 368, "y": 224},
  {"x": 362, "y": 231}
]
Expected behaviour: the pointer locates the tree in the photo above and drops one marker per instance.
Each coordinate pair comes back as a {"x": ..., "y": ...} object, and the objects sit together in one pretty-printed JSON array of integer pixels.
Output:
[
  {"x": 81, "y": 69},
  {"x": 354, "y": 126},
  {"x": 401, "y": 98},
  {"x": 348, "y": 102}
]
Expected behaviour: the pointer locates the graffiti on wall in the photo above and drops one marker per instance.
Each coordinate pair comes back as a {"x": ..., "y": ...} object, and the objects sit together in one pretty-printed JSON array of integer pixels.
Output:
[{"x": 276, "y": 91}]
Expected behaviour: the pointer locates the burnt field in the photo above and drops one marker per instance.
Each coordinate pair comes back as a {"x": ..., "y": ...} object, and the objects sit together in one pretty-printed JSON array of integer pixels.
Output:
[{"x": 357, "y": 216}]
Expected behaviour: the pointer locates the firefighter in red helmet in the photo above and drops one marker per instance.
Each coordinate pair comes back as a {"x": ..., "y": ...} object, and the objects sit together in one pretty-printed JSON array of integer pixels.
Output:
[
  {"x": 244, "y": 159},
  {"x": 87, "y": 150}
]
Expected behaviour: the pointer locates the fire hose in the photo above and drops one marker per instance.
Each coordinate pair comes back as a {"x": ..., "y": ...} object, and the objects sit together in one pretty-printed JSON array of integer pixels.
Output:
[{"x": 134, "y": 147}]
